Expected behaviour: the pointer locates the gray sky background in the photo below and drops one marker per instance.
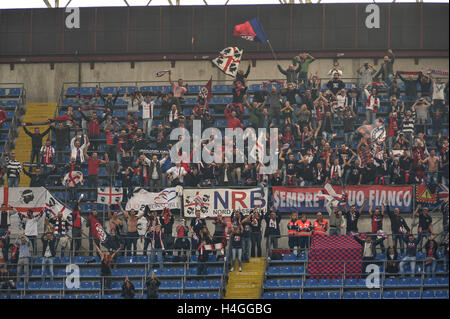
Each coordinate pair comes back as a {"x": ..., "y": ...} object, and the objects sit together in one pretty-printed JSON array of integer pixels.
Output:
[{"x": 16, "y": 4}]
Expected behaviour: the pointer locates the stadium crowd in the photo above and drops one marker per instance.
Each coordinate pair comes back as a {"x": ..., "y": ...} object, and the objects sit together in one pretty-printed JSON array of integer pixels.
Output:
[{"x": 306, "y": 114}]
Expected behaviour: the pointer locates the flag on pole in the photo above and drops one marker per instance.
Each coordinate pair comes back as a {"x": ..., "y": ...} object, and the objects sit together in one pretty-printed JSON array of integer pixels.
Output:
[
  {"x": 161, "y": 73},
  {"x": 109, "y": 195},
  {"x": 250, "y": 30},
  {"x": 205, "y": 92},
  {"x": 228, "y": 60},
  {"x": 99, "y": 233}
]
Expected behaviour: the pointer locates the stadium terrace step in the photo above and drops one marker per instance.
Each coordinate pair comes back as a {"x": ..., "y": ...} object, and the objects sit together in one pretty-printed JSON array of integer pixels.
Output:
[
  {"x": 246, "y": 284},
  {"x": 36, "y": 112}
]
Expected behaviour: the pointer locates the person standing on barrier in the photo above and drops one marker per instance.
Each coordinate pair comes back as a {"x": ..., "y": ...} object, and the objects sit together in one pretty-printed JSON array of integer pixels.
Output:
[
  {"x": 255, "y": 222},
  {"x": 106, "y": 260},
  {"x": 219, "y": 231},
  {"x": 48, "y": 253},
  {"x": 377, "y": 223},
  {"x": 430, "y": 257},
  {"x": 157, "y": 238},
  {"x": 272, "y": 231},
  {"x": 236, "y": 246},
  {"x": 369, "y": 250},
  {"x": 398, "y": 227},
  {"x": 425, "y": 229},
  {"x": 411, "y": 252},
  {"x": 132, "y": 236},
  {"x": 336, "y": 220},
  {"x": 24, "y": 258},
  {"x": 92, "y": 238},
  {"x": 246, "y": 238},
  {"x": 166, "y": 221},
  {"x": 292, "y": 227},
  {"x": 352, "y": 217},
  {"x": 182, "y": 241},
  {"x": 197, "y": 224},
  {"x": 76, "y": 228}
]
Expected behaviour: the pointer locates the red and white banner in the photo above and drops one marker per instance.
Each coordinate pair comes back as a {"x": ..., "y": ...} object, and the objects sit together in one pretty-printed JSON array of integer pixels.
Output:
[{"x": 309, "y": 199}]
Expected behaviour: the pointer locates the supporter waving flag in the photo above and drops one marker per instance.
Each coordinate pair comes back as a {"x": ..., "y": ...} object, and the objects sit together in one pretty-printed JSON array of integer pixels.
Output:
[
  {"x": 228, "y": 60},
  {"x": 73, "y": 178},
  {"x": 99, "y": 233}
]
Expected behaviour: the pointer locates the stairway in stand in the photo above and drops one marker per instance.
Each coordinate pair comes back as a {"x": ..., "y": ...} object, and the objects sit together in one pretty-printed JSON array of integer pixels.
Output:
[
  {"x": 36, "y": 112},
  {"x": 246, "y": 284}
]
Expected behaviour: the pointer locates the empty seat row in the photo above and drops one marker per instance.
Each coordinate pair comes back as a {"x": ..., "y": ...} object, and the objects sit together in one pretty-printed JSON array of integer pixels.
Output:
[
  {"x": 202, "y": 284},
  {"x": 274, "y": 270}
]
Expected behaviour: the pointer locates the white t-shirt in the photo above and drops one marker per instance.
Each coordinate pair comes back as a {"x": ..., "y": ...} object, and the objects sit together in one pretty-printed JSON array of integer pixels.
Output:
[
  {"x": 48, "y": 253},
  {"x": 147, "y": 109}
]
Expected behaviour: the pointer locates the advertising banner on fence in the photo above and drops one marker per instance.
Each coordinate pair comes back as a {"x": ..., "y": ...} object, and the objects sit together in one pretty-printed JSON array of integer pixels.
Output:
[
  {"x": 211, "y": 202},
  {"x": 308, "y": 200},
  {"x": 167, "y": 198}
]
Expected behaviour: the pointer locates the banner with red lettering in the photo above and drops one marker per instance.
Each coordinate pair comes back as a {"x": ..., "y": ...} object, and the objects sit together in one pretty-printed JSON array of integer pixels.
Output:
[
  {"x": 211, "y": 202},
  {"x": 308, "y": 199}
]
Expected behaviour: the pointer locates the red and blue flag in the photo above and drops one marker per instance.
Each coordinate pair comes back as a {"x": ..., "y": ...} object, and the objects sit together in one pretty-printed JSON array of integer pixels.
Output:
[{"x": 250, "y": 30}]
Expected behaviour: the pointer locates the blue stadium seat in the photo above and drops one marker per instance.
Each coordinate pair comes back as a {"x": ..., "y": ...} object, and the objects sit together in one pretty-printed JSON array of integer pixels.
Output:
[
  {"x": 34, "y": 285},
  {"x": 294, "y": 295},
  {"x": 442, "y": 281},
  {"x": 336, "y": 282},
  {"x": 391, "y": 282},
  {"x": 349, "y": 295},
  {"x": 362, "y": 295},
  {"x": 130, "y": 272},
  {"x": 298, "y": 270},
  {"x": 322, "y": 295},
  {"x": 351, "y": 282},
  {"x": 213, "y": 295},
  {"x": 31, "y": 297},
  {"x": 403, "y": 282},
  {"x": 401, "y": 294},
  {"x": 215, "y": 283},
  {"x": 176, "y": 284},
  {"x": 163, "y": 296},
  {"x": 334, "y": 295},
  {"x": 188, "y": 296},
  {"x": 428, "y": 294},
  {"x": 116, "y": 285},
  {"x": 374, "y": 295},
  {"x": 441, "y": 294},
  {"x": 289, "y": 257},
  {"x": 174, "y": 296},
  {"x": 271, "y": 283},
  {"x": 285, "y": 283},
  {"x": 204, "y": 284},
  {"x": 430, "y": 282},
  {"x": 117, "y": 272},
  {"x": 388, "y": 294},
  {"x": 286, "y": 270},
  {"x": 86, "y": 285},
  {"x": 281, "y": 295},
  {"x": 414, "y": 294},
  {"x": 297, "y": 283},
  {"x": 415, "y": 282},
  {"x": 43, "y": 297},
  {"x": 72, "y": 91},
  {"x": 311, "y": 283},
  {"x": 268, "y": 295},
  {"x": 309, "y": 295},
  {"x": 325, "y": 282}
]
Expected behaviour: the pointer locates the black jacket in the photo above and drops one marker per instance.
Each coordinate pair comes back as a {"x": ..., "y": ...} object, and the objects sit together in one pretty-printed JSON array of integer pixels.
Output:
[
  {"x": 36, "y": 138},
  {"x": 271, "y": 230},
  {"x": 51, "y": 244},
  {"x": 128, "y": 292},
  {"x": 373, "y": 245},
  {"x": 152, "y": 287},
  {"x": 396, "y": 223}
]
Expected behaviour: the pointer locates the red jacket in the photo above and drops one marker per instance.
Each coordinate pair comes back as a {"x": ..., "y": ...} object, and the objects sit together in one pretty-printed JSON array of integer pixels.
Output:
[{"x": 233, "y": 122}]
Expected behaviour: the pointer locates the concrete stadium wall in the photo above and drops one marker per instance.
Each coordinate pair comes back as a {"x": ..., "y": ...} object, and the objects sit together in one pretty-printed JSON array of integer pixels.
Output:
[{"x": 44, "y": 85}]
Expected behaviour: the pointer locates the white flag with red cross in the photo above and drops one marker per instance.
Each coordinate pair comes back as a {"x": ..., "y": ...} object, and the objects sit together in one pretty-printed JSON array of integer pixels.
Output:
[
  {"x": 73, "y": 178},
  {"x": 109, "y": 195}
]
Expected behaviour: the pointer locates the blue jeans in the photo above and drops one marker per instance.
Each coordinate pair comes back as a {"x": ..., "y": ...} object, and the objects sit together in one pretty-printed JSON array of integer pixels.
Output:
[
  {"x": 412, "y": 262},
  {"x": 348, "y": 138},
  {"x": 370, "y": 116},
  {"x": 147, "y": 123},
  {"x": 47, "y": 261},
  {"x": 158, "y": 252},
  {"x": 432, "y": 178},
  {"x": 237, "y": 254},
  {"x": 59, "y": 149},
  {"x": 35, "y": 153},
  {"x": 246, "y": 248},
  {"x": 431, "y": 267},
  {"x": 13, "y": 181},
  {"x": 335, "y": 231}
]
